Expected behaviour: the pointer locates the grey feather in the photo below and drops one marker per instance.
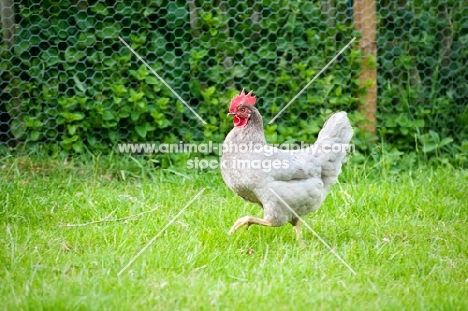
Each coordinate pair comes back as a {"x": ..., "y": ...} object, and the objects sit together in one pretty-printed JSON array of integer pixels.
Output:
[{"x": 303, "y": 183}]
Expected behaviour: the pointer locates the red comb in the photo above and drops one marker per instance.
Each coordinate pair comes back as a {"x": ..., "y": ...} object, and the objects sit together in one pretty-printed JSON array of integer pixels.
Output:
[{"x": 242, "y": 99}]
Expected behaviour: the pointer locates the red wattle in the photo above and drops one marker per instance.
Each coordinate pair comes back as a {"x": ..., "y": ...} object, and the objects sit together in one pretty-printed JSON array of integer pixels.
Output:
[{"x": 239, "y": 122}]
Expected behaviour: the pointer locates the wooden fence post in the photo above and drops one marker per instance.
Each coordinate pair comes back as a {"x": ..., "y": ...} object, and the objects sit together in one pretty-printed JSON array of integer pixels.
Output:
[
  {"x": 7, "y": 13},
  {"x": 365, "y": 21}
]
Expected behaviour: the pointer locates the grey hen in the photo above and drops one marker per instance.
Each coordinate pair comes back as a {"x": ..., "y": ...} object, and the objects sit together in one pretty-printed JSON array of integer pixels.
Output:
[{"x": 257, "y": 171}]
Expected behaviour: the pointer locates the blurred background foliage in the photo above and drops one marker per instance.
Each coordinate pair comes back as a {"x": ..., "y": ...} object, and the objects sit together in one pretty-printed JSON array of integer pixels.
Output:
[{"x": 69, "y": 85}]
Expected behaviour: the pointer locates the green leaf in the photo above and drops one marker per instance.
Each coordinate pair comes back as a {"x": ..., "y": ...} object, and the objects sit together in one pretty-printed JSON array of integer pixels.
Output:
[
  {"x": 143, "y": 71},
  {"x": 338, "y": 91},
  {"x": 85, "y": 39},
  {"x": 100, "y": 9},
  {"x": 18, "y": 128},
  {"x": 141, "y": 130},
  {"x": 209, "y": 92},
  {"x": 135, "y": 96},
  {"x": 71, "y": 129},
  {"x": 68, "y": 140},
  {"x": 108, "y": 31},
  {"x": 135, "y": 115},
  {"x": 107, "y": 115},
  {"x": 119, "y": 90},
  {"x": 164, "y": 123},
  {"x": 50, "y": 56},
  {"x": 162, "y": 102},
  {"x": 34, "y": 135},
  {"x": 73, "y": 55},
  {"x": 445, "y": 141},
  {"x": 429, "y": 147},
  {"x": 79, "y": 85},
  {"x": 169, "y": 59},
  {"x": 78, "y": 147},
  {"x": 239, "y": 71},
  {"x": 151, "y": 80},
  {"x": 195, "y": 88},
  {"x": 267, "y": 54},
  {"x": 136, "y": 74},
  {"x": 69, "y": 116}
]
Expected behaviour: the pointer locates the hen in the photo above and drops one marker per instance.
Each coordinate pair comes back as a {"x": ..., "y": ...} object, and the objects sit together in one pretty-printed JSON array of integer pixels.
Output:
[{"x": 269, "y": 176}]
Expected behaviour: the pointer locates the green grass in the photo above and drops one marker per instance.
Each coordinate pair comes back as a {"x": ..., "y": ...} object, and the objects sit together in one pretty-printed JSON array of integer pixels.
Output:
[{"x": 405, "y": 235}]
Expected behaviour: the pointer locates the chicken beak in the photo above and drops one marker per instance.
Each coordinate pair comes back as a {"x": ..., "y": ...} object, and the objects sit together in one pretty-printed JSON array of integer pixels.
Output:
[{"x": 231, "y": 114}]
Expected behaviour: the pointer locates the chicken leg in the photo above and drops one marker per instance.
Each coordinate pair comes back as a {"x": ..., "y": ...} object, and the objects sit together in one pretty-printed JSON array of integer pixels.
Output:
[
  {"x": 247, "y": 221},
  {"x": 297, "y": 228}
]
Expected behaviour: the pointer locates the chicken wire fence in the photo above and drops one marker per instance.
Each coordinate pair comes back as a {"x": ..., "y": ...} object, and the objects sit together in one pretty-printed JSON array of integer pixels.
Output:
[{"x": 70, "y": 85}]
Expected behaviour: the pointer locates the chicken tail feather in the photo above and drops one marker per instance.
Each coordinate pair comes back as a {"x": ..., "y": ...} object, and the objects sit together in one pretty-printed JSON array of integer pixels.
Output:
[{"x": 333, "y": 145}]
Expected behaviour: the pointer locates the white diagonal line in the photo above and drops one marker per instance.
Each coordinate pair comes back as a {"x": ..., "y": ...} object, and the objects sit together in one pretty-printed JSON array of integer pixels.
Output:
[
  {"x": 160, "y": 232},
  {"x": 313, "y": 79},
  {"x": 315, "y": 233},
  {"x": 161, "y": 79}
]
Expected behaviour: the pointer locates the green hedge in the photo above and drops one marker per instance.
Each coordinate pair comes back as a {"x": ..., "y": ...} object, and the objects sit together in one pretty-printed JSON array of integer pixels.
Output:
[
  {"x": 72, "y": 86},
  {"x": 423, "y": 90}
]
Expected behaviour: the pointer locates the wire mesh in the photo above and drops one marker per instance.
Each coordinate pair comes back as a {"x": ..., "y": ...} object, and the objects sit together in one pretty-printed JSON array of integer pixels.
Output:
[{"x": 70, "y": 85}]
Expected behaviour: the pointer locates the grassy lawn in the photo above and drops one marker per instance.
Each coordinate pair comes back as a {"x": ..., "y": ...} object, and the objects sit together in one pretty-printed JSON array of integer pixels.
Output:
[{"x": 404, "y": 234}]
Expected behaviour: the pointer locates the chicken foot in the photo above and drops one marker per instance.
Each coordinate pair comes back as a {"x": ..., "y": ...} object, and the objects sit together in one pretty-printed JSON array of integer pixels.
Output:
[{"x": 247, "y": 221}]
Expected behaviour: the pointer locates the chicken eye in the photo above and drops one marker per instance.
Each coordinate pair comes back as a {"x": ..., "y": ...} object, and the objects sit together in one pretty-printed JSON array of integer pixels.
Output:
[{"x": 242, "y": 110}]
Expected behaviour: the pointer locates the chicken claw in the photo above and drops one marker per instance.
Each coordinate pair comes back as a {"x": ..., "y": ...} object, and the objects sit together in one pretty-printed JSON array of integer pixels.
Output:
[{"x": 247, "y": 221}]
